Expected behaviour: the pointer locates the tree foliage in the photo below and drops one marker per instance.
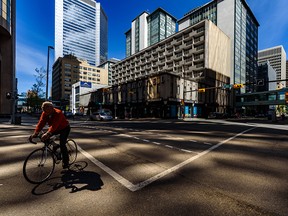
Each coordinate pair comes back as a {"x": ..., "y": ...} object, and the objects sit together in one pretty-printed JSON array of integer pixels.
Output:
[{"x": 35, "y": 96}]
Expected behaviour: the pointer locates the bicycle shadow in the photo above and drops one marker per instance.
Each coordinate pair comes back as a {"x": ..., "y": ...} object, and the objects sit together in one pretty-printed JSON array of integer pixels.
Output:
[{"x": 75, "y": 178}]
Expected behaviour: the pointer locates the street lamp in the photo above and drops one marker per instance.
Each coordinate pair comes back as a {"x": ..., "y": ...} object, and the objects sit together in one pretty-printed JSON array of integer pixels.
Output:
[{"x": 47, "y": 75}]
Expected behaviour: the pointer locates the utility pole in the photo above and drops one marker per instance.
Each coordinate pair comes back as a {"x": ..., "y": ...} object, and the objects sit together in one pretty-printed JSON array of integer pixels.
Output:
[{"x": 47, "y": 75}]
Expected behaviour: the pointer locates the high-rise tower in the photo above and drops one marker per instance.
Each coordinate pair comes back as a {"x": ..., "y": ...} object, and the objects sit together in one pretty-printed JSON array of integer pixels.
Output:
[
  {"x": 81, "y": 29},
  {"x": 8, "y": 89},
  {"x": 148, "y": 29},
  {"x": 277, "y": 58},
  {"x": 235, "y": 19}
]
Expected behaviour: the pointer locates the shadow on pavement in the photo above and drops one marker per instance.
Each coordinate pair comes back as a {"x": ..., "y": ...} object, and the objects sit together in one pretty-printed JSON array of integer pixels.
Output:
[{"x": 76, "y": 179}]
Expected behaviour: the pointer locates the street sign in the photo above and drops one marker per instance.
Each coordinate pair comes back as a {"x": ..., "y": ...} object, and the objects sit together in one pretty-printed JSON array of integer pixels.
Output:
[
  {"x": 227, "y": 86},
  {"x": 260, "y": 82}
]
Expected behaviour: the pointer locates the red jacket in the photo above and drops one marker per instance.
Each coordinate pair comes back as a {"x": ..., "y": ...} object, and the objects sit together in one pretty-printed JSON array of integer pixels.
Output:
[{"x": 56, "y": 121}]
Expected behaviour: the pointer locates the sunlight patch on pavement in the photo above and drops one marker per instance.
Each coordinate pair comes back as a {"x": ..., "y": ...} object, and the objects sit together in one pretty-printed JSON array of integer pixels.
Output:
[{"x": 134, "y": 187}]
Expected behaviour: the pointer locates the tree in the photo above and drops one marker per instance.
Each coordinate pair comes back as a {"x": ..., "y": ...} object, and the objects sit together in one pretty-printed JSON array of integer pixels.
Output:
[
  {"x": 37, "y": 87},
  {"x": 35, "y": 96}
]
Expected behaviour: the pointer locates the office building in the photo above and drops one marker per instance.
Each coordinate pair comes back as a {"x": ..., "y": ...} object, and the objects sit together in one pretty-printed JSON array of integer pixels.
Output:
[
  {"x": 148, "y": 29},
  {"x": 69, "y": 70},
  {"x": 81, "y": 29},
  {"x": 108, "y": 66},
  {"x": 169, "y": 73},
  {"x": 265, "y": 74},
  {"x": 277, "y": 58},
  {"x": 286, "y": 72},
  {"x": 81, "y": 95},
  {"x": 235, "y": 19},
  {"x": 8, "y": 85}
]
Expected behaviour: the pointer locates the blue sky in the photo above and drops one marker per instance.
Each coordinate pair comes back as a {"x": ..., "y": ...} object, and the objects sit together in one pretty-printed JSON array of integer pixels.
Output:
[{"x": 35, "y": 28}]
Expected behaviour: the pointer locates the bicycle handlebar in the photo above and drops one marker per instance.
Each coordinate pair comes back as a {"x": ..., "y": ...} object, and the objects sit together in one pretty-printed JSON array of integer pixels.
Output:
[{"x": 31, "y": 140}]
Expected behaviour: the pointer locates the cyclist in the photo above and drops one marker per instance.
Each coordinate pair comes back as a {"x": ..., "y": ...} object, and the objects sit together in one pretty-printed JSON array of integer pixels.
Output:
[{"x": 58, "y": 124}]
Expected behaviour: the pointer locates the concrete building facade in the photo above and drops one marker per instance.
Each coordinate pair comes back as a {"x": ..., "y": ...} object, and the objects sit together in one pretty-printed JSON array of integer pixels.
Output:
[
  {"x": 8, "y": 84},
  {"x": 196, "y": 57},
  {"x": 108, "y": 66},
  {"x": 81, "y": 29},
  {"x": 69, "y": 70},
  {"x": 237, "y": 21},
  {"x": 277, "y": 58}
]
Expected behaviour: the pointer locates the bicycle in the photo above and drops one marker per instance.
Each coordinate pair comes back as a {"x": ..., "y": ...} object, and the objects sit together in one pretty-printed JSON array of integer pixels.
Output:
[{"x": 40, "y": 163}]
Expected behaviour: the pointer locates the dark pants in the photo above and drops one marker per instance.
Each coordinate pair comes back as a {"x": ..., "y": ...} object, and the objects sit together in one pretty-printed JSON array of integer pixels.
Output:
[{"x": 63, "y": 139}]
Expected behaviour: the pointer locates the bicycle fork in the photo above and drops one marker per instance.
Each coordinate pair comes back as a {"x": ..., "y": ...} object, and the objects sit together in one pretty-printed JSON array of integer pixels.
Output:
[{"x": 44, "y": 157}]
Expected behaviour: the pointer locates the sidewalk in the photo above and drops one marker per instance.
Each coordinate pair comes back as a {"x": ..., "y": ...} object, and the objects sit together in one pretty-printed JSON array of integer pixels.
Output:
[{"x": 243, "y": 120}]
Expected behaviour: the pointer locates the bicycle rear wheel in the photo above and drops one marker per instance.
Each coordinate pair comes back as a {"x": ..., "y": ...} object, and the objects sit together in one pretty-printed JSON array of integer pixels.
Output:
[
  {"x": 72, "y": 150},
  {"x": 38, "y": 166}
]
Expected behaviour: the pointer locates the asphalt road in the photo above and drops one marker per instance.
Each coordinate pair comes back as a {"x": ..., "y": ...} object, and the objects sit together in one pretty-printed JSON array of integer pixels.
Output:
[{"x": 153, "y": 167}]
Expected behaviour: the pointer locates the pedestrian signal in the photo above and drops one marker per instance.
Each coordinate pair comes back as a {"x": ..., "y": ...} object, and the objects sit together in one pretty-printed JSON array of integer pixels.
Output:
[
  {"x": 201, "y": 90},
  {"x": 8, "y": 95},
  {"x": 238, "y": 86}
]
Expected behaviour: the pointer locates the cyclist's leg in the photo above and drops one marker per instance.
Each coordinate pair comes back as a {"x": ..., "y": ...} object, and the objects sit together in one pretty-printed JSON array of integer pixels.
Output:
[{"x": 63, "y": 138}]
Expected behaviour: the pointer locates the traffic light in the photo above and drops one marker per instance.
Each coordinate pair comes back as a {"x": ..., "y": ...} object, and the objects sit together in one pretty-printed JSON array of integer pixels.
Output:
[
  {"x": 286, "y": 97},
  {"x": 201, "y": 90},
  {"x": 238, "y": 86},
  {"x": 8, "y": 95}
]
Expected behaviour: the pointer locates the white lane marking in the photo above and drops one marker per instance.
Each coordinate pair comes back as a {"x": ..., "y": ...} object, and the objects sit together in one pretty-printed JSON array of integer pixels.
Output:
[
  {"x": 145, "y": 140},
  {"x": 168, "y": 171},
  {"x": 111, "y": 172},
  {"x": 193, "y": 141},
  {"x": 169, "y": 146},
  {"x": 1, "y": 184},
  {"x": 184, "y": 150},
  {"x": 140, "y": 185},
  {"x": 157, "y": 143},
  {"x": 206, "y": 143}
]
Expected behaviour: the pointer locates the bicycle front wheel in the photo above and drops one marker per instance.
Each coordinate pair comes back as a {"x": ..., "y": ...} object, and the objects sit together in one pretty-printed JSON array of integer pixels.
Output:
[
  {"x": 38, "y": 166},
  {"x": 72, "y": 150}
]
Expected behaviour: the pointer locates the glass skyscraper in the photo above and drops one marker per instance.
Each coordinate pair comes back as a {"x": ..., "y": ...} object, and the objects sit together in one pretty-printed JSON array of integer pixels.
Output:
[
  {"x": 148, "y": 29},
  {"x": 234, "y": 18},
  {"x": 81, "y": 29}
]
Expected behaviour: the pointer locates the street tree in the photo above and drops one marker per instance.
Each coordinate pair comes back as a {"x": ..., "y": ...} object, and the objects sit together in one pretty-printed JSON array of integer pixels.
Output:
[{"x": 35, "y": 96}]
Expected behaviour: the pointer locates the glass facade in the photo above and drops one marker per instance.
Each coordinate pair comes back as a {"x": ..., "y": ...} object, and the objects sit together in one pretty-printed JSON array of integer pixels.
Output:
[
  {"x": 103, "y": 37},
  {"x": 160, "y": 26},
  {"x": 128, "y": 43},
  {"x": 245, "y": 47},
  {"x": 208, "y": 12},
  {"x": 83, "y": 32},
  {"x": 137, "y": 35},
  {"x": 5, "y": 10},
  {"x": 244, "y": 35},
  {"x": 149, "y": 30}
]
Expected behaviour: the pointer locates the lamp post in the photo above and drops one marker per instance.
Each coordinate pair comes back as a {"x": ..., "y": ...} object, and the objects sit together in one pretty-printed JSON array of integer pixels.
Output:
[{"x": 47, "y": 75}]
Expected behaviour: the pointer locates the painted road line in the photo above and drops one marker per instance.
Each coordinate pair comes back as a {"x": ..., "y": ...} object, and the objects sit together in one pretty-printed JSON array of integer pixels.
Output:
[
  {"x": 157, "y": 143},
  {"x": 111, "y": 172},
  {"x": 185, "y": 150},
  {"x": 193, "y": 141},
  {"x": 145, "y": 140},
  {"x": 206, "y": 143},
  {"x": 173, "y": 169},
  {"x": 142, "y": 184}
]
